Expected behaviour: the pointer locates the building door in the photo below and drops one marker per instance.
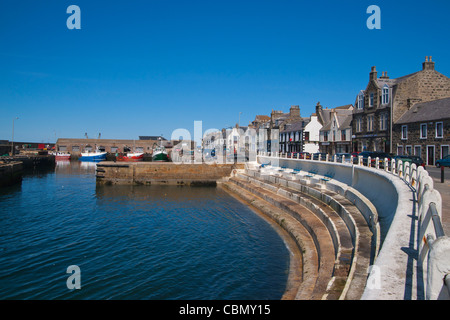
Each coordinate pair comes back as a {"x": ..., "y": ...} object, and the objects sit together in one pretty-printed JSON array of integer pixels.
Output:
[{"x": 430, "y": 155}]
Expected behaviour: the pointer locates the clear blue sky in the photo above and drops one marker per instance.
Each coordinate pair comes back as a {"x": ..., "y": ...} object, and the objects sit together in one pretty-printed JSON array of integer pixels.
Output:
[{"x": 150, "y": 67}]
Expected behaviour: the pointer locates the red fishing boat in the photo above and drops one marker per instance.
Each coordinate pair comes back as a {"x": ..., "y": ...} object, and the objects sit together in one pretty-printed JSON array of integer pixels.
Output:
[{"x": 131, "y": 157}]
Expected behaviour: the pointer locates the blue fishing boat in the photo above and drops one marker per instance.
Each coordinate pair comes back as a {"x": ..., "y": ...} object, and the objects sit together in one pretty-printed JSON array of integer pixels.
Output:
[{"x": 93, "y": 156}]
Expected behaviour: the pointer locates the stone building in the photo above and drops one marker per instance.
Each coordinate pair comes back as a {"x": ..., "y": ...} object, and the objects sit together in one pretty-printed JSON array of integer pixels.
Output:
[
  {"x": 336, "y": 132},
  {"x": 424, "y": 131},
  {"x": 76, "y": 146},
  {"x": 385, "y": 101}
]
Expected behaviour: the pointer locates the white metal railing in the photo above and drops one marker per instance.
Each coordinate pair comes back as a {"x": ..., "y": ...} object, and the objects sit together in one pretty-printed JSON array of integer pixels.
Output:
[{"x": 433, "y": 245}]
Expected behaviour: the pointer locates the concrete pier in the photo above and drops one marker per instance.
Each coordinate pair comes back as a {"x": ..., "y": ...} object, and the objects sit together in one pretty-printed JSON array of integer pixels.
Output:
[
  {"x": 10, "y": 173},
  {"x": 31, "y": 161},
  {"x": 168, "y": 173}
]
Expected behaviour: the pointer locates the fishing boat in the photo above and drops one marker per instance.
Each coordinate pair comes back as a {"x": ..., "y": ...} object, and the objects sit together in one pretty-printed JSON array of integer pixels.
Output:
[
  {"x": 93, "y": 156},
  {"x": 160, "y": 154},
  {"x": 137, "y": 156},
  {"x": 62, "y": 156}
]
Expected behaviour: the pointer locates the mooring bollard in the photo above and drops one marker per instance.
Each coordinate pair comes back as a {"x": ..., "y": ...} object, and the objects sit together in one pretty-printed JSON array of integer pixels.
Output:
[{"x": 442, "y": 174}]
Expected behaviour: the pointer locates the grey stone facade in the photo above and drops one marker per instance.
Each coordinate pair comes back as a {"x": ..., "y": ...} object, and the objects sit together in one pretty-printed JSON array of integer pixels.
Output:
[
  {"x": 385, "y": 101},
  {"x": 424, "y": 130}
]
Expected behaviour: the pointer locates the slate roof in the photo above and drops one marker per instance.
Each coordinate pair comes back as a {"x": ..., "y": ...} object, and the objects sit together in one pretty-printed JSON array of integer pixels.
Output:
[{"x": 427, "y": 111}]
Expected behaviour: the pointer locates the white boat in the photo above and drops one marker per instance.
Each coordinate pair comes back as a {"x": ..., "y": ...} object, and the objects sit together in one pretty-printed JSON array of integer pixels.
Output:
[
  {"x": 62, "y": 156},
  {"x": 93, "y": 156}
]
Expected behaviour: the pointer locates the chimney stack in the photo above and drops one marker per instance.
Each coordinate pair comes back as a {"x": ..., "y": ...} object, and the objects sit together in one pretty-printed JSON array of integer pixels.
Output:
[
  {"x": 294, "y": 111},
  {"x": 428, "y": 64},
  {"x": 373, "y": 73}
]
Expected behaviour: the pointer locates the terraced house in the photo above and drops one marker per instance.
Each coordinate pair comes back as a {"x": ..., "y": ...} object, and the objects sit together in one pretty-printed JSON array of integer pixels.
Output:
[
  {"x": 335, "y": 134},
  {"x": 384, "y": 101},
  {"x": 424, "y": 131}
]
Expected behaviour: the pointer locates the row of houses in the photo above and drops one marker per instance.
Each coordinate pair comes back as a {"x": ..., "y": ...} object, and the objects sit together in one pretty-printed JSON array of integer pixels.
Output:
[{"x": 404, "y": 115}]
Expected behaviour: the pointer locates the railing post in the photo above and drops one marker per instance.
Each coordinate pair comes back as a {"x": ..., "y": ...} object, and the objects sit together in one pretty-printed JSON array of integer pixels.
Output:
[
  {"x": 369, "y": 161},
  {"x": 377, "y": 163}
]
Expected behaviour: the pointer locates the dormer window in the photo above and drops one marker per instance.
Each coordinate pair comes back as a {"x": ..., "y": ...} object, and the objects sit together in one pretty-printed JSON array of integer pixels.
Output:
[
  {"x": 371, "y": 97},
  {"x": 361, "y": 101},
  {"x": 385, "y": 94}
]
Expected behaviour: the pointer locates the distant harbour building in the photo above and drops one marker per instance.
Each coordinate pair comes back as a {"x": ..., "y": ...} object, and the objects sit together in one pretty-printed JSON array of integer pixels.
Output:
[{"x": 76, "y": 146}]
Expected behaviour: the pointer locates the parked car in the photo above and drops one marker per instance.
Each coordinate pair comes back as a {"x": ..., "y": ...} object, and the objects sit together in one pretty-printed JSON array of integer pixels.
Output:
[
  {"x": 411, "y": 159},
  {"x": 444, "y": 162},
  {"x": 305, "y": 155},
  {"x": 373, "y": 155},
  {"x": 323, "y": 156},
  {"x": 343, "y": 157}
]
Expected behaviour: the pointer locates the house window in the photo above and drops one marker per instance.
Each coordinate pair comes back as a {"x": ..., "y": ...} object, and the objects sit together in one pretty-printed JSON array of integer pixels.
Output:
[
  {"x": 325, "y": 136},
  {"x": 371, "y": 99},
  {"x": 439, "y": 130},
  {"x": 361, "y": 101},
  {"x": 358, "y": 125},
  {"x": 75, "y": 148},
  {"x": 344, "y": 135},
  {"x": 418, "y": 151},
  {"x": 404, "y": 132},
  {"x": 444, "y": 151},
  {"x": 399, "y": 150},
  {"x": 423, "y": 131},
  {"x": 385, "y": 94},
  {"x": 408, "y": 150},
  {"x": 383, "y": 121},
  {"x": 370, "y": 123}
]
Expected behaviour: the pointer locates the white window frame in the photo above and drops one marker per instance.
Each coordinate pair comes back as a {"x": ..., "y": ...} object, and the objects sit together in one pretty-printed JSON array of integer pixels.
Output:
[
  {"x": 361, "y": 101},
  {"x": 405, "y": 135},
  {"x": 419, "y": 154},
  {"x": 442, "y": 130},
  {"x": 358, "y": 124},
  {"x": 383, "y": 121},
  {"x": 408, "y": 148},
  {"x": 444, "y": 145},
  {"x": 421, "y": 131},
  {"x": 371, "y": 99},
  {"x": 385, "y": 94},
  {"x": 370, "y": 119}
]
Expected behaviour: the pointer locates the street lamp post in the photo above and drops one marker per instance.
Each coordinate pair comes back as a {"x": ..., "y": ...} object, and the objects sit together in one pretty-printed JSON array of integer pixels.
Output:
[{"x": 12, "y": 140}]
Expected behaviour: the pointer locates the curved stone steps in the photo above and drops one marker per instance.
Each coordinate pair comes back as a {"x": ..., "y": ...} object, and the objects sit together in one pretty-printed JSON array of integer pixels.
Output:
[
  {"x": 302, "y": 286},
  {"x": 342, "y": 239},
  {"x": 353, "y": 239},
  {"x": 318, "y": 231}
]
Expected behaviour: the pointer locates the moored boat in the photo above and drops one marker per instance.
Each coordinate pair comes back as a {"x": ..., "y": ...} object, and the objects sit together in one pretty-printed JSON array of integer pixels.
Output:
[
  {"x": 137, "y": 156},
  {"x": 93, "y": 156},
  {"x": 62, "y": 156},
  {"x": 160, "y": 154}
]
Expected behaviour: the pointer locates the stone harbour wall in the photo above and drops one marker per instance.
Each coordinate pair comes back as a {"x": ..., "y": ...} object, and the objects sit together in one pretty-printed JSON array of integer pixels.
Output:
[{"x": 162, "y": 173}]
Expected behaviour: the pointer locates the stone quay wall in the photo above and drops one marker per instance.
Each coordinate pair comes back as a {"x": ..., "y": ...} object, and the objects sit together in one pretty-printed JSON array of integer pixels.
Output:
[
  {"x": 10, "y": 173},
  {"x": 169, "y": 173}
]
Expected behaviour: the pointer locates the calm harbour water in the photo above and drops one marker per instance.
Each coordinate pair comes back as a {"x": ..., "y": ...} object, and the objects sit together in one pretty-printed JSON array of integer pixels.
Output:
[{"x": 133, "y": 242}]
